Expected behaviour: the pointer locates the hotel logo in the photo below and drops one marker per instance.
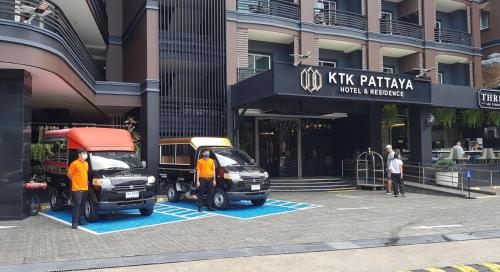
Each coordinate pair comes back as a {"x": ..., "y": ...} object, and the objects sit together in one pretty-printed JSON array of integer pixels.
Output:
[{"x": 311, "y": 80}]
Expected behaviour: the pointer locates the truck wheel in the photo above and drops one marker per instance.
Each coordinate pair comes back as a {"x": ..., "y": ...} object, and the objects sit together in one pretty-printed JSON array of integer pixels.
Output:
[
  {"x": 146, "y": 212},
  {"x": 259, "y": 202},
  {"x": 220, "y": 200},
  {"x": 89, "y": 210},
  {"x": 172, "y": 193},
  {"x": 56, "y": 200}
]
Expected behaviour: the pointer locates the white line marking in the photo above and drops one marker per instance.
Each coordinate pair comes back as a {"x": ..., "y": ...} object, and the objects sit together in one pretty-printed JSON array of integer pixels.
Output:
[
  {"x": 359, "y": 208},
  {"x": 436, "y": 227},
  {"x": 348, "y": 196},
  {"x": 7, "y": 227}
]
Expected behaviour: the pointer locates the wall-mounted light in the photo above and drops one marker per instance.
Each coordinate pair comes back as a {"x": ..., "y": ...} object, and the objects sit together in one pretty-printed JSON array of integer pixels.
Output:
[{"x": 431, "y": 120}]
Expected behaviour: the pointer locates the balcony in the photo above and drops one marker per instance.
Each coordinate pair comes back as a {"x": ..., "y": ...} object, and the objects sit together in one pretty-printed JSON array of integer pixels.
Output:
[
  {"x": 48, "y": 18},
  {"x": 244, "y": 73},
  {"x": 340, "y": 18},
  {"x": 452, "y": 36},
  {"x": 278, "y": 8},
  {"x": 401, "y": 28}
]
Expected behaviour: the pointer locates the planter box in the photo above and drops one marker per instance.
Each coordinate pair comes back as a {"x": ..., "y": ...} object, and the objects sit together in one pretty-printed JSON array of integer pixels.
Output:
[{"x": 447, "y": 178}]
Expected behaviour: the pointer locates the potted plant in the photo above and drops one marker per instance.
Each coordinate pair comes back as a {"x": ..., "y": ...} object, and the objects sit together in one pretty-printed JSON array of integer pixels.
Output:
[
  {"x": 445, "y": 174},
  {"x": 493, "y": 118},
  {"x": 389, "y": 117},
  {"x": 473, "y": 118},
  {"x": 446, "y": 117}
]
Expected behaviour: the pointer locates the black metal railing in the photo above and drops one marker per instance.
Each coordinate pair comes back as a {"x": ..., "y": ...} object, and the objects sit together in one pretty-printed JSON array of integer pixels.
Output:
[
  {"x": 51, "y": 18},
  {"x": 339, "y": 18},
  {"x": 452, "y": 36},
  {"x": 279, "y": 8},
  {"x": 244, "y": 73},
  {"x": 401, "y": 28}
]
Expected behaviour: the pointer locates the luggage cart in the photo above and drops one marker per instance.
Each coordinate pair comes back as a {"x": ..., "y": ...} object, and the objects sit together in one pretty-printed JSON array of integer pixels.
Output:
[{"x": 370, "y": 170}]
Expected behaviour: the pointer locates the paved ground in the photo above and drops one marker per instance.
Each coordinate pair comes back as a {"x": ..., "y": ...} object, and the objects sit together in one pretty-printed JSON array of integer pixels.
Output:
[
  {"x": 343, "y": 216},
  {"x": 402, "y": 258}
]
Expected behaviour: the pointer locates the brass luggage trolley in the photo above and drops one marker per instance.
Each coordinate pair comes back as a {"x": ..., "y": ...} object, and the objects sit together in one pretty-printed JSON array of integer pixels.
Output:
[{"x": 370, "y": 170}]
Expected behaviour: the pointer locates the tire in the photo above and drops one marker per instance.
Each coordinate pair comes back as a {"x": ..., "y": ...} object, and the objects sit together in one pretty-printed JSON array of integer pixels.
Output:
[
  {"x": 89, "y": 210},
  {"x": 32, "y": 204},
  {"x": 146, "y": 212},
  {"x": 220, "y": 200},
  {"x": 56, "y": 200},
  {"x": 259, "y": 202},
  {"x": 172, "y": 194}
]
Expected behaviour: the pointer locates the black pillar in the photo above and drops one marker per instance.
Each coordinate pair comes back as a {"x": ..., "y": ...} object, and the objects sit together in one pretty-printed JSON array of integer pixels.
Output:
[
  {"x": 15, "y": 139},
  {"x": 375, "y": 127},
  {"x": 150, "y": 125},
  {"x": 420, "y": 135}
]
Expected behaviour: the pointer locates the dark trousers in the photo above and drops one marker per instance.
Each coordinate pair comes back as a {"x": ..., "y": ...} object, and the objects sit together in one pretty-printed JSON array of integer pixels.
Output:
[
  {"x": 397, "y": 184},
  {"x": 206, "y": 189},
  {"x": 78, "y": 201}
]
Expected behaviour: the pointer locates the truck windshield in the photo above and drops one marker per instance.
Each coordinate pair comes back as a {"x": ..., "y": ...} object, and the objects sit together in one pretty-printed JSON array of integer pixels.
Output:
[
  {"x": 114, "y": 161},
  {"x": 228, "y": 157}
]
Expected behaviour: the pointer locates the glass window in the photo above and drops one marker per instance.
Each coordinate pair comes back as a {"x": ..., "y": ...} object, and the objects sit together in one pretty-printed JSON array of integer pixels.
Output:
[
  {"x": 325, "y": 63},
  {"x": 485, "y": 20},
  {"x": 388, "y": 69},
  {"x": 228, "y": 157},
  {"x": 167, "y": 154},
  {"x": 103, "y": 161},
  {"x": 440, "y": 77},
  {"x": 259, "y": 62}
]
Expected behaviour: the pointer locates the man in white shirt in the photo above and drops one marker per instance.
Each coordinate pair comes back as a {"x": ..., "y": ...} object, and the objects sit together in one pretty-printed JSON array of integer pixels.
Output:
[
  {"x": 459, "y": 151},
  {"x": 390, "y": 157},
  {"x": 396, "y": 169}
]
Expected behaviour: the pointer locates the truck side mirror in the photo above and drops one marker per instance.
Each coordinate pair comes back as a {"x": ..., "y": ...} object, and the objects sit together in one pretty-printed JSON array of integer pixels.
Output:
[{"x": 144, "y": 164}]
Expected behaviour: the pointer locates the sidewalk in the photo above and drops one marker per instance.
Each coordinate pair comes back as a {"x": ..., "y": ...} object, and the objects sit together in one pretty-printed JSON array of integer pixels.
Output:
[{"x": 401, "y": 258}]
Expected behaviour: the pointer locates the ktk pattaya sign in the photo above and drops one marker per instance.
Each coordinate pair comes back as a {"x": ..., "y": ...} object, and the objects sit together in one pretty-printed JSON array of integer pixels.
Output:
[
  {"x": 489, "y": 99},
  {"x": 365, "y": 85}
]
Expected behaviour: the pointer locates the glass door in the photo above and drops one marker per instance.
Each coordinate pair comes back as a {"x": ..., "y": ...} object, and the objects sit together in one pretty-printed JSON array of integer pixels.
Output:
[{"x": 278, "y": 144}]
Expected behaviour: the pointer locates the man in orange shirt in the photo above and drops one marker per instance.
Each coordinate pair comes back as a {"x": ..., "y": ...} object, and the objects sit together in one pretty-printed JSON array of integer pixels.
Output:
[
  {"x": 205, "y": 179},
  {"x": 78, "y": 174}
]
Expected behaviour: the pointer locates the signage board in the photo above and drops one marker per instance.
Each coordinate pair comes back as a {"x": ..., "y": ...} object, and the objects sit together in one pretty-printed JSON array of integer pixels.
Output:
[{"x": 489, "y": 99}]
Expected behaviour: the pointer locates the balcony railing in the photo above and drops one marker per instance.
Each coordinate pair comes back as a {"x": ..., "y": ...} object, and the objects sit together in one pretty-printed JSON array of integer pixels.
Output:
[
  {"x": 339, "y": 18},
  {"x": 401, "y": 28},
  {"x": 279, "y": 8},
  {"x": 244, "y": 73},
  {"x": 452, "y": 36},
  {"x": 50, "y": 18}
]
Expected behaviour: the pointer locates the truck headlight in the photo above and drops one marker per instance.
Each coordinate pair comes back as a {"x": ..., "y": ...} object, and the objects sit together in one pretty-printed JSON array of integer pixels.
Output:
[
  {"x": 151, "y": 180},
  {"x": 232, "y": 176},
  {"x": 104, "y": 182}
]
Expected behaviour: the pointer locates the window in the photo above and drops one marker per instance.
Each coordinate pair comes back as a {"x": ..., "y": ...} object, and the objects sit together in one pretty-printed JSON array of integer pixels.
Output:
[
  {"x": 259, "y": 62},
  {"x": 485, "y": 20},
  {"x": 440, "y": 78},
  {"x": 328, "y": 63},
  {"x": 438, "y": 33},
  {"x": 386, "y": 22},
  {"x": 388, "y": 69},
  {"x": 325, "y": 12}
]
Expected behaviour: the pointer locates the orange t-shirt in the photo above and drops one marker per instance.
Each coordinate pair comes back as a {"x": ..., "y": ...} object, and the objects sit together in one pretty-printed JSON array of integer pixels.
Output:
[
  {"x": 206, "y": 168},
  {"x": 79, "y": 171}
]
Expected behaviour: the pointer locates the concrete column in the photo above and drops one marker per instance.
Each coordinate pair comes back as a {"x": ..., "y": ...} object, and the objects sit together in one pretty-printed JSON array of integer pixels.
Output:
[
  {"x": 232, "y": 55},
  {"x": 429, "y": 19},
  {"x": 420, "y": 135},
  {"x": 430, "y": 60},
  {"x": 114, "y": 53},
  {"x": 231, "y": 5},
  {"x": 375, "y": 127},
  {"x": 15, "y": 139},
  {"x": 149, "y": 124},
  {"x": 475, "y": 24},
  {"x": 477, "y": 71},
  {"x": 374, "y": 8},
  {"x": 308, "y": 43},
  {"x": 374, "y": 57},
  {"x": 307, "y": 11}
]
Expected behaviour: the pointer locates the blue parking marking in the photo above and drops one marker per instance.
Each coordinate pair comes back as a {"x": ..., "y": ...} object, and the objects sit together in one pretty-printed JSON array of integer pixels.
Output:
[{"x": 168, "y": 212}]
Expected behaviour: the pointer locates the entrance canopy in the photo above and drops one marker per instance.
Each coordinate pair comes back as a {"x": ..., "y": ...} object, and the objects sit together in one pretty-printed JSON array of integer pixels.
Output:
[{"x": 286, "y": 82}]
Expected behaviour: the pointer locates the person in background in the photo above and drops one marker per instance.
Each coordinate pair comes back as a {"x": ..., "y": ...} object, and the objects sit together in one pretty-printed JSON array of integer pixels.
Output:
[
  {"x": 78, "y": 174},
  {"x": 390, "y": 157},
  {"x": 396, "y": 169},
  {"x": 457, "y": 149},
  {"x": 475, "y": 157},
  {"x": 205, "y": 180}
]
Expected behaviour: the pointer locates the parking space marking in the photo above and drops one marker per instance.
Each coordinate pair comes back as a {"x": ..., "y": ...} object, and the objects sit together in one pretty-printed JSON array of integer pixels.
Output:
[
  {"x": 437, "y": 227},
  {"x": 492, "y": 266},
  {"x": 7, "y": 227},
  {"x": 358, "y": 208},
  {"x": 465, "y": 268},
  {"x": 349, "y": 196}
]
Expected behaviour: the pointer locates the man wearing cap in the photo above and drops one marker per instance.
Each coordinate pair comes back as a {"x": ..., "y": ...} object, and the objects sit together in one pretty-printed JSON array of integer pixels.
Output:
[
  {"x": 78, "y": 174},
  {"x": 390, "y": 157},
  {"x": 205, "y": 179}
]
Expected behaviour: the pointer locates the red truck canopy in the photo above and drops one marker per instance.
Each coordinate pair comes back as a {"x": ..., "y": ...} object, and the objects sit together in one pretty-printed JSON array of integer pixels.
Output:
[{"x": 95, "y": 139}]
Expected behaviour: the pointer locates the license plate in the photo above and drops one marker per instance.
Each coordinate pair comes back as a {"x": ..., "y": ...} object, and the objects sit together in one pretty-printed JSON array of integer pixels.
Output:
[
  {"x": 133, "y": 194},
  {"x": 255, "y": 187}
]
